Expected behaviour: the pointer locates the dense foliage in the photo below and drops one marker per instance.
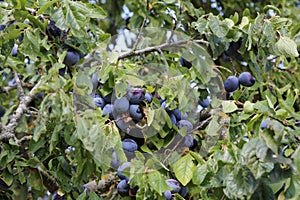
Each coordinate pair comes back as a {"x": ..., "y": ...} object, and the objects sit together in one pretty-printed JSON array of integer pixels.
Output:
[{"x": 149, "y": 99}]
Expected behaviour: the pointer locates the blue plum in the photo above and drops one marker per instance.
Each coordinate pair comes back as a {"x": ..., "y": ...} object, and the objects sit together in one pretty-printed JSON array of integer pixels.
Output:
[
  {"x": 72, "y": 57},
  {"x": 168, "y": 195},
  {"x": 121, "y": 105},
  {"x": 135, "y": 112},
  {"x": 246, "y": 79},
  {"x": 123, "y": 188},
  {"x": 115, "y": 162},
  {"x": 148, "y": 97},
  {"x": 14, "y": 51},
  {"x": 173, "y": 118},
  {"x": 107, "y": 110},
  {"x": 189, "y": 126},
  {"x": 129, "y": 145},
  {"x": 184, "y": 191},
  {"x": 265, "y": 124},
  {"x": 174, "y": 184},
  {"x": 136, "y": 95},
  {"x": 204, "y": 103},
  {"x": 231, "y": 84},
  {"x": 121, "y": 169},
  {"x": 185, "y": 63},
  {"x": 99, "y": 101}
]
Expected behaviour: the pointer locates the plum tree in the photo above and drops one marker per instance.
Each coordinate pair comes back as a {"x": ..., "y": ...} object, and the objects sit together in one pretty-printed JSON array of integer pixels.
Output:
[
  {"x": 231, "y": 84},
  {"x": 150, "y": 67}
]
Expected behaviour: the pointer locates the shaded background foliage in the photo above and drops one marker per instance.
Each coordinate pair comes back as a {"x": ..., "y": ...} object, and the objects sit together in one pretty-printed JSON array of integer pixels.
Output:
[{"x": 234, "y": 158}]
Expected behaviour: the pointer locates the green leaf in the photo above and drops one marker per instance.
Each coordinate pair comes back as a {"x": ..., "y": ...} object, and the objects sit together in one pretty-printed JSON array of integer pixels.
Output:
[
  {"x": 286, "y": 47},
  {"x": 199, "y": 174},
  {"x": 219, "y": 28},
  {"x": 184, "y": 169},
  {"x": 239, "y": 183},
  {"x": 157, "y": 182},
  {"x": 229, "y": 106},
  {"x": 46, "y": 6}
]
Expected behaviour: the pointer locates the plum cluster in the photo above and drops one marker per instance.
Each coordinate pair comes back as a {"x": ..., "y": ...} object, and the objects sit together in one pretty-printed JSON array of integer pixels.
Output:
[
  {"x": 232, "y": 82},
  {"x": 132, "y": 106},
  {"x": 123, "y": 188}
]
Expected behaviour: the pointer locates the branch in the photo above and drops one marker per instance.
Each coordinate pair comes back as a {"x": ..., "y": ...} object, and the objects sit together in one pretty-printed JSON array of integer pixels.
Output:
[
  {"x": 8, "y": 130},
  {"x": 161, "y": 46},
  {"x": 9, "y": 88},
  {"x": 19, "y": 85}
]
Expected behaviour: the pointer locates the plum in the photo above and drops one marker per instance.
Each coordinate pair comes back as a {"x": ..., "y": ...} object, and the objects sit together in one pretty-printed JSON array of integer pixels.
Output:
[
  {"x": 123, "y": 188},
  {"x": 135, "y": 112},
  {"x": 188, "y": 141},
  {"x": 121, "y": 105},
  {"x": 265, "y": 124},
  {"x": 231, "y": 84},
  {"x": 184, "y": 191},
  {"x": 129, "y": 145},
  {"x": 14, "y": 51},
  {"x": 174, "y": 184},
  {"x": 148, "y": 97},
  {"x": 108, "y": 110},
  {"x": 115, "y": 162},
  {"x": 185, "y": 63},
  {"x": 246, "y": 79},
  {"x": 189, "y": 126},
  {"x": 99, "y": 101},
  {"x": 168, "y": 195},
  {"x": 124, "y": 166},
  {"x": 173, "y": 118},
  {"x": 136, "y": 95},
  {"x": 204, "y": 103},
  {"x": 72, "y": 57}
]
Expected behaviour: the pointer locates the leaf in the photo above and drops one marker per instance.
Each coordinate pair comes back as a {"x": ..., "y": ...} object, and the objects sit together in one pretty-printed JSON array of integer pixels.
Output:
[
  {"x": 296, "y": 157},
  {"x": 287, "y": 47},
  {"x": 46, "y": 6},
  {"x": 219, "y": 28},
  {"x": 263, "y": 192},
  {"x": 229, "y": 106},
  {"x": 239, "y": 183},
  {"x": 35, "y": 180},
  {"x": 157, "y": 182},
  {"x": 184, "y": 168},
  {"x": 199, "y": 174}
]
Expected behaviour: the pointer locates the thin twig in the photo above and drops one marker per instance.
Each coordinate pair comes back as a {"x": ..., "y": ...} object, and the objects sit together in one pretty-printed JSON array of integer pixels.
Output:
[
  {"x": 161, "y": 46},
  {"x": 163, "y": 56},
  {"x": 139, "y": 35},
  {"x": 6, "y": 89}
]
